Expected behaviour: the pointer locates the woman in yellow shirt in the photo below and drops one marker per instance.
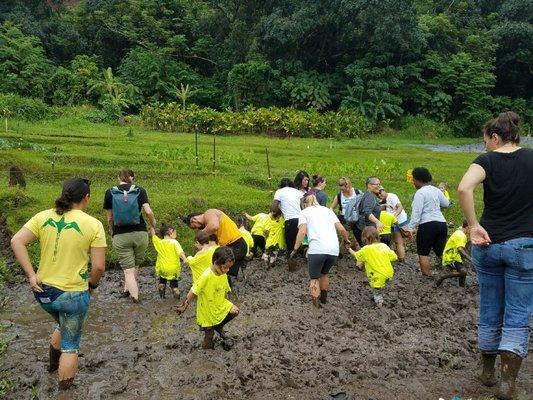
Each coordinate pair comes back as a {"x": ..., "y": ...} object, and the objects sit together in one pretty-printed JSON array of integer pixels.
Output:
[
  {"x": 213, "y": 309},
  {"x": 169, "y": 253},
  {"x": 376, "y": 258}
]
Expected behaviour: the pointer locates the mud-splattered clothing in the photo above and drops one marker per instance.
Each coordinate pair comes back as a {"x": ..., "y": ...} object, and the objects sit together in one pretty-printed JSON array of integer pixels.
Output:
[
  {"x": 211, "y": 304},
  {"x": 378, "y": 268},
  {"x": 168, "y": 264}
]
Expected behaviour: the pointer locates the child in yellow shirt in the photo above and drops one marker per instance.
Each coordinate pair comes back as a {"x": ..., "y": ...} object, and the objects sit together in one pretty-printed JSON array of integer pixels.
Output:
[
  {"x": 202, "y": 259},
  {"x": 275, "y": 241},
  {"x": 246, "y": 235},
  {"x": 259, "y": 231},
  {"x": 452, "y": 255},
  {"x": 169, "y": 253},
  {"x": 213, "y": 309},
  {"x": 376, "y": 258},
  {"x": 388, "y": 220}
]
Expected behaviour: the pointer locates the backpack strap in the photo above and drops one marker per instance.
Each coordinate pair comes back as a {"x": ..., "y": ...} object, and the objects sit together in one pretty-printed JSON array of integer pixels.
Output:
[{"x": 339, "y": 201}]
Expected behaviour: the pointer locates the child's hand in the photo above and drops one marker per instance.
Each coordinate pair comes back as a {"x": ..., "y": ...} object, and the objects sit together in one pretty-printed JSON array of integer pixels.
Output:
[{"x": 182, "y": 307}]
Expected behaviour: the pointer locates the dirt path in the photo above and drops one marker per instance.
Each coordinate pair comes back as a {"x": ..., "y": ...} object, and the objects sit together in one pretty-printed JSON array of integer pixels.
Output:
[{"x": 421, "y": 345}]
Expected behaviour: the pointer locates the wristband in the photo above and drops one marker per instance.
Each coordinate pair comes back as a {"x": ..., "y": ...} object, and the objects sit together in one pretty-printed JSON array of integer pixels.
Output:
[{"x": 93, "y": 286}]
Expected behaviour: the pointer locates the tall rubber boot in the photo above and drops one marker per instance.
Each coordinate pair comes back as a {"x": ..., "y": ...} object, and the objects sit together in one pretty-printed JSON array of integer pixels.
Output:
[
  {"x": 208, "y": 339},
  {"x": 54, "y": 359},
  {"x": 488, "y": 377},
  {"x": 323, "y": 296},
  {"x": 510, "y": 365}
]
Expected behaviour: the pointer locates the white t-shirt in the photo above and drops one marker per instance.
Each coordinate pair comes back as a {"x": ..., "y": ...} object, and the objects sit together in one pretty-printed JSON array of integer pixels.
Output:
[
  {"x": 289, "y": 199},
  {"x": 392, "y": 202},
  {"x": 321, "y": 230}
]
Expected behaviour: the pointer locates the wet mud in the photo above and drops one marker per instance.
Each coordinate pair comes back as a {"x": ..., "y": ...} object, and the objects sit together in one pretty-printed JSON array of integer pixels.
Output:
[{"x": 420, "y": 345}]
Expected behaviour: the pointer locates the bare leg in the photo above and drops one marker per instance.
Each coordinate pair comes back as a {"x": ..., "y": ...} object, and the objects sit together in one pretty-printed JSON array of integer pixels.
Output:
[
  {"x": 399, "y": 246},
  {"x": 324, "y": 287},
  {"x": 68, "y": 366},
  {"x": 425, "y": 265},
  {"x": 55, "y": 350},
  {"x": 314, "y": 289},
  {"x": 131, "y": 283}
]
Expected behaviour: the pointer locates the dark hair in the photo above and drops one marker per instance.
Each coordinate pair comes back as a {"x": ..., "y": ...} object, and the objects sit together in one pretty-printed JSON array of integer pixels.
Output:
[
  {"x": 317, "y": 180},
  {"x": 187, "y": 219},
  {"x": 422, "y": 174},
  {"x": 126, "y": 175},
  {"x": 465, "y": 223},
  {"x": 213, "y": 237},
  {"x": 74, "y": 190},
  {"x": 222, "y": 255},
  {"x": 505, "y": 125},
  {"x": 298, "y": 179},
  {"x": 286, "y": 182},
  {"x": 202, "y": 237},
  {"x": 240, "y": 220},
  {"x": 370, "y": 235},
  {"x": 164, "y": 230}
]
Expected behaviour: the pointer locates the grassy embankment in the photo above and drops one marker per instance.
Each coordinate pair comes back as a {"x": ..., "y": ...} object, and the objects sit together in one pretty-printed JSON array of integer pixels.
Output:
[{"x": 164, "y": 164}]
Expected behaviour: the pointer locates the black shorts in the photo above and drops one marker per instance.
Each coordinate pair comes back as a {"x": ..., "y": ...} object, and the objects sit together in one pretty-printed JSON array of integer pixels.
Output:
[
  {"x": 291, "y": 230},
  {"x": 172, "y": 282},
  {"x": 431, "y": 235},
  {"x": 259, "y": 243},
  {"x": 240, "y": 249},
  {"x": 385, "y": 239},
  {"x": 320, "y": 264}
]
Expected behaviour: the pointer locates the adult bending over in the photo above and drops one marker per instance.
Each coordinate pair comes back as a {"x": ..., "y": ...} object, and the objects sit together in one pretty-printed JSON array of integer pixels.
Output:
[
  {"x": 123, "y": 204},
  {"x": 68, "y": 238},
  {"x": 502, "y": 248},
  {"x": 216, "y": 222},
  {"x": 320, "y": 224},
  {"x": 427, "y": 216}
]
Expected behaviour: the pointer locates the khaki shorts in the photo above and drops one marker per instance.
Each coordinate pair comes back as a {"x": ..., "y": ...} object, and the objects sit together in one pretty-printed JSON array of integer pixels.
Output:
[{"x": 130, "y": 248}]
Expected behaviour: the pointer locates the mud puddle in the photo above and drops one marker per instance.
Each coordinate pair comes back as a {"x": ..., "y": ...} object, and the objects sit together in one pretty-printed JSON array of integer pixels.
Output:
[
  {"x": 422, "y": 344},
  {"x": 525, "y": 141}
]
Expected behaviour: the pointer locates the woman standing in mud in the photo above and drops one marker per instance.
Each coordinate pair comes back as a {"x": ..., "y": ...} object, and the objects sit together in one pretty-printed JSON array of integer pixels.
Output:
[
  {"x": 320, "y": 224},
  {"x": 502, "y": 248},
  {"x": 123, "y": 204},
  {"x": 68, "y": 238},
  {"x": 346, "y": 193}
]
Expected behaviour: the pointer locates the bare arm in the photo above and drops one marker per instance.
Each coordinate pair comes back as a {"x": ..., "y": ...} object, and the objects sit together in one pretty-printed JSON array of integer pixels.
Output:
[
  {"x": 212, "y": 222},
  {"x": 183, "y": 257},
  {"x": 149, "y": 214},
  {"x": 398, "y": 209},
  {"x": 97, "y": 264},
  {"x": 302, "y": 230},
  {"x": 19, "y": 241},
  {"x": 109, "y": 215},
  {"x": 465, "y": 254},
  {"x": 334, "y": 203},
  {"x": 471, "y": 179},
  {"x": 183, "y": 306},
  {"x": 343, "y": 232},
  {"x": 377, "y": 222}
]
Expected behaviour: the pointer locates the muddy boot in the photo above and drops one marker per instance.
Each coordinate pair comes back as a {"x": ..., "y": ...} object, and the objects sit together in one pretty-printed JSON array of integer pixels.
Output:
[
  {"x": 161, "y": 288},
  {"x": 54, "y": 359},
  {"x": 487, "y": 376},
  {"x": 65, "y": 384},
  {"x": 462, "y": 281},
  {"x": 225, "y": 341},
  {"x": 176, "y": 293},
  {"x": 316, "y": 302},
  {"x": 323, "y": 296},
  {"x": 510, "y": 365},
  {"x": 208, "y": 339},
  {"x": 293, "y": 264}
]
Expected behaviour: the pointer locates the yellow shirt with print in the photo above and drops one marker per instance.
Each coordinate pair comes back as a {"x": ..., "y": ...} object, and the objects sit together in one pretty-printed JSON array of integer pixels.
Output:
[
  {"x": 211, "y": 305},
  {"x": 261, "y": 223},
  {"x": 276, "y": 234},
  {"x": 65, "y": 242},
  {"x": 451, "y": 253},
  {"x": 378, "y": 267},
  {"x": 200, "y": 262},
  {"x": 388, "y": 220},
  {"x": 168, "y": 264}
]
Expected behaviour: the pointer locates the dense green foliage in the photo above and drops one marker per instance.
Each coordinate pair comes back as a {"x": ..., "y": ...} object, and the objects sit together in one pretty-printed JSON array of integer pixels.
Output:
[{"x": 456, "y": 62}]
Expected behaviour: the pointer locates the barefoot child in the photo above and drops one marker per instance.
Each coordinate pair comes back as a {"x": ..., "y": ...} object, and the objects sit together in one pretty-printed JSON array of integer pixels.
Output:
[
  {"x": 169, "y": 253},
  {"x": 203, "y": 258},
  {"x": 213, "y": 309},
  {"x": 451, "y": 256},
  {"x": 376, "y": 258},
  {"x": 275, "y": 239}
]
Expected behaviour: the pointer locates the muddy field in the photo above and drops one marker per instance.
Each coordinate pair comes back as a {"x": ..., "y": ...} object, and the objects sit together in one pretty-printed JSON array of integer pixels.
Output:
[{"x": 421, "y": 345}]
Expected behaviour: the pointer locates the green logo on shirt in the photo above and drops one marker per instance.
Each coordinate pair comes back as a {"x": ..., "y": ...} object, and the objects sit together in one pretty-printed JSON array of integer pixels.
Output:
[{"x": 60, "y": 226}]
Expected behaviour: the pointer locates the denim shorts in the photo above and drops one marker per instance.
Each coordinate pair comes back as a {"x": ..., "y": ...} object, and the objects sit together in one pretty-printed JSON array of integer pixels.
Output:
[
  {"x": 69, "y": 310},
  {"x": 398, "y": 227}
]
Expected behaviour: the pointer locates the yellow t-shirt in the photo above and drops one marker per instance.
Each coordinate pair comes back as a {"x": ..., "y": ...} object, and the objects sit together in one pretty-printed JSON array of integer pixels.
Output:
[
  {"x": 65, "y": 242},
  {"x": 276, "y": 233},
  {"x": 211, "y": 305},
  {"x": 168, "y": 264},
  {"x": 387, "y": 219},
  {"x": 446, "y": 194},
  {"x": 260, "y": 226},
  {"x": 200, "y": 262},
  {"x": 247, "y": 236},
  {"x": 227, "y": 231},
  {"x": 378, "y": 268},
  {"x": 451, "y": 250}
]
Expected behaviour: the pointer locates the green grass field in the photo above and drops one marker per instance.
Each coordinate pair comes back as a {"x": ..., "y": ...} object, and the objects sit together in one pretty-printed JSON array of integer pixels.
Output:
[{"x": 164, "y": 163}]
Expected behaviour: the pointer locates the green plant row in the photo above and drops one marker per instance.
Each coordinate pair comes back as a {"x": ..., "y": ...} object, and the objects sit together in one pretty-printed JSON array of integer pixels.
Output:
[{"x": 272, "y": 121}]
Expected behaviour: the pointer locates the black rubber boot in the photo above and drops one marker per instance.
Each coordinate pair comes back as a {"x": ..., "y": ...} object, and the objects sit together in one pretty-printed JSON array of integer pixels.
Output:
[
  {"x": 488, "y": 377},
  {"x": 208, "y": 339},
  {"x": 54, "y": 359},
  {"x": 323, "y": 296},
  {"x": 510, "y": 365},
  {"x": 65, "y": 384}
]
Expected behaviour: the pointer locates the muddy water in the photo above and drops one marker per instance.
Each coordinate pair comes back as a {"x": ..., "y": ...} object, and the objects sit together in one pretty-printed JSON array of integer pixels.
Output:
[
  {"x": 525, "y": 141},
  {"x": 422, "y": 344}
]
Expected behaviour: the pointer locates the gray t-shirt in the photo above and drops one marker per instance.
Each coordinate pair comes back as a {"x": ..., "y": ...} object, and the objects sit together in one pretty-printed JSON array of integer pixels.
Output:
[
  {"x": 426, "y": 206},
  {"x": 369, "y": 205}
]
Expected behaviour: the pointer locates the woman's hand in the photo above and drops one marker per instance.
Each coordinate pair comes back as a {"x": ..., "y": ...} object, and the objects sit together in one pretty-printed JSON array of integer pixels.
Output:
[
  {"x": 35, "y": 283},
  {"x": 479, "y": 236}
]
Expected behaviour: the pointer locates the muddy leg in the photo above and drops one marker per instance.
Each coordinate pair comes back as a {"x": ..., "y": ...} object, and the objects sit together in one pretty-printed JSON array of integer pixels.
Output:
[
  {"x": 314, "y": 289},
  {"x": 399, "y": 246},
  {"x": 131, "y": 282},
  {"x": 55, "y": 350},
  {"x": 68, "y": 366},
  {"x": 324, "y": 288},
  {"x": 208, "y": 339},
  {"x": 425, "y": 265}
]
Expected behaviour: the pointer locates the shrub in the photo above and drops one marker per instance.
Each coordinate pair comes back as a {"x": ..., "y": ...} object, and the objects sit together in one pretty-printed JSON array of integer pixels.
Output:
[
  {"x": 15, "y": 106},
  {"x": 273, "y": 121}
]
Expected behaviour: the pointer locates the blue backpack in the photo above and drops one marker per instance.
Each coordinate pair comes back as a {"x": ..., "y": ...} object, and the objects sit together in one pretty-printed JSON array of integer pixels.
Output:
[
  {"x": 351, "y": 212},
  {"x": 126, "y": 206}
]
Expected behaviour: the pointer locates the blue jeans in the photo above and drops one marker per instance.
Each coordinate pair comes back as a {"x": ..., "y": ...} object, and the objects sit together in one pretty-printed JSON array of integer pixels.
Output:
[
  {"x": 69, "y": 311},
  {"x": 505, "y": 275}
]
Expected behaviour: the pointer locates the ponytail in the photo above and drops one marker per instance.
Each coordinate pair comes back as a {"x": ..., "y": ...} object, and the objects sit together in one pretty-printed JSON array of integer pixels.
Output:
[
  {"x": 505, "y": 125},
  {"x": 74, "y": 191},
  {"x": 126, "y": 175}
]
